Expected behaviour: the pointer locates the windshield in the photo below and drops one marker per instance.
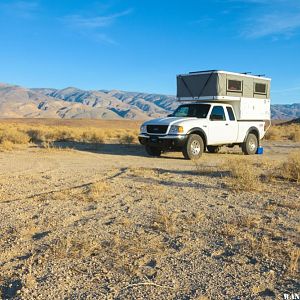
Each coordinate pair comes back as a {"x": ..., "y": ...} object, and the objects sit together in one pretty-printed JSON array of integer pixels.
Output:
[{"x": 192, "y": 110}]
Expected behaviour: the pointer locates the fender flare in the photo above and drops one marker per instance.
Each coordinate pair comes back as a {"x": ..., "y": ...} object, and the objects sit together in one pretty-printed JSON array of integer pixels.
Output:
[
  {"x": 251, "y": 129},
  {"x": 198, "y": 130}
]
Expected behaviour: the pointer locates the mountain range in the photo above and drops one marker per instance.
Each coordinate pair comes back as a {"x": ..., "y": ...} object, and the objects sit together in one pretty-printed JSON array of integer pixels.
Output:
[{"x": 19, "y": 102}]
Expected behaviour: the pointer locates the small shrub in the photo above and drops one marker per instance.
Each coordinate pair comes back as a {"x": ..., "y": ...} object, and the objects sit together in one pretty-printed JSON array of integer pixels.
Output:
[
  {"x": 165, "y": 221},
  {"x": 243, "y": 175},
  {"x": 295, "y": 136},
  {"x": 96, "y": 138},
  {"x": 291, "y": 168},
  {"x": 14, "y": 136},
  {"x": 273, "y": 134},
  {"x": 294, "y": 260},
  {"x": 97, "y": 189},
  {"x": 36, "y": 135},
  {"x": 6, "y": 146},
  {"x": 283, "y": 132},
  {"x": 127, "y": 139},
  {"x": 23, "y": 133}
]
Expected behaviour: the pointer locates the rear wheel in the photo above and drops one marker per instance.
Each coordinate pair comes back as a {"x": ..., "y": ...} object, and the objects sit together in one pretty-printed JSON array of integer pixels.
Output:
[
  {"x": 213, "y": 149},
  {"x": 153, "y": 151},
  {"x": 194, "y": 147},
  {"x": 249, "y": 147}
]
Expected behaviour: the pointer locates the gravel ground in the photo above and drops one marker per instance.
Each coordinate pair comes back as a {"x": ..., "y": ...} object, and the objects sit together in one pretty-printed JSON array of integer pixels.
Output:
[{"x": 108, "y": 222}]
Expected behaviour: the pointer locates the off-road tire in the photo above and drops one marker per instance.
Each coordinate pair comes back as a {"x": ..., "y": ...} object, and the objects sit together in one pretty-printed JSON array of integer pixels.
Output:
[
  {"x": 249, "y": 147},
  {"x": 213, "y": 149},
  {"x": 194, "y": 147},
  {"x": 153, "y": 151}
]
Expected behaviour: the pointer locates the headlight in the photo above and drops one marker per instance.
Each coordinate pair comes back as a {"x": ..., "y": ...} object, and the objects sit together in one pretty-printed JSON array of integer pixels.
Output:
[
  {"x": 176, "y": 129},
  {"x": 143, "y": 129}
]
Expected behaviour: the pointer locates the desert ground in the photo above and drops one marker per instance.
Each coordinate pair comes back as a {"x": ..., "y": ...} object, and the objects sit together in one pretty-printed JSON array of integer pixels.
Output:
[{"x": 99, "y": 219}]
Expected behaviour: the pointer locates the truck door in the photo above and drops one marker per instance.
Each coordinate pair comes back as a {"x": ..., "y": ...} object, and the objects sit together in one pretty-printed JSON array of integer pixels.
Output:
[
  {"x": 232, "y": 125},
  {"x": 219, "y": 132}
]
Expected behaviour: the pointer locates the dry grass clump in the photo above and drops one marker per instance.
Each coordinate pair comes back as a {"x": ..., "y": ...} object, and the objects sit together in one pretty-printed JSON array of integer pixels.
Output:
[
  {"x": 65, "y": 134},
  {"x": 11, "y": 138},
  {"x": 284, "y": 132},
  {"x": 97, "y": 190},
  {"x": 133, "y": 251},
  {"x": 74, "y": 246},
  {"x": 51, "y": 147},
  {"x": 92, "y": 137},
  {"x": 6, "y": 146},
  {"x": 295, "y": 136},
  {"x": 127, "y": 139},
  {"x": 294, "y": 260},
  {"x": 14, "y": 136},
  {"x": 24, "y": 133},
  {"x": 165, "y": 221},
  {"x": 274, "y": 134},
  {"x": 171, "y": 222},
  {"x": 263, "y": 240},
  {"x": 243, "y": 175},
  {"x": 291, "y": 168},
  {"x": 144, "y": 172}
]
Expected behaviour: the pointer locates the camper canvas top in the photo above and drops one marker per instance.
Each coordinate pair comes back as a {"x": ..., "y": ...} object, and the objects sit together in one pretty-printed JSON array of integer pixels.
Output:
[
  {"x": 221, "y": 85},
  {"x": 249, "y": 95}
]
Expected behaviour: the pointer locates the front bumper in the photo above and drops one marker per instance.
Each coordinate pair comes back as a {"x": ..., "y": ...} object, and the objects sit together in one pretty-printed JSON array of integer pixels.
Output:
[{"x": 164, "y": 142}]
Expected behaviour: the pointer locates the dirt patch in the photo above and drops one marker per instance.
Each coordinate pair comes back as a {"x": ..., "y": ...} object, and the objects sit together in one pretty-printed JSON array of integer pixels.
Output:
[{"x": 111, "y": 223}]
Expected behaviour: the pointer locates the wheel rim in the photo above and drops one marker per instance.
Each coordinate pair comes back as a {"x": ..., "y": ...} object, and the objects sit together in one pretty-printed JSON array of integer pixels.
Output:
[
  {"x": 252, "y": 145},
  {"x": 195, "y": 147}
]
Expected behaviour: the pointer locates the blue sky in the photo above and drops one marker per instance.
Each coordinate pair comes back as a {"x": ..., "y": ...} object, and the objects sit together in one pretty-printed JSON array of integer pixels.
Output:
[{"x": 140, "y": 45}]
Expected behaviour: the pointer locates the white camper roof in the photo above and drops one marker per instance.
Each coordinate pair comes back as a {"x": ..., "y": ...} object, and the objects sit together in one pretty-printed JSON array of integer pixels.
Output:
[{"x": 226, "y": 72}]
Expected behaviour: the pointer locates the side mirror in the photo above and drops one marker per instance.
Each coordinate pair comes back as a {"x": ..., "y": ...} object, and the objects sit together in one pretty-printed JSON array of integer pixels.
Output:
[{"x": 170, "y": 115}]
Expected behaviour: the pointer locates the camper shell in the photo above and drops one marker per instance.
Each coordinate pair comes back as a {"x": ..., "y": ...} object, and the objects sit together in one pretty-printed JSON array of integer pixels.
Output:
[{"x": 249, "y": 95}]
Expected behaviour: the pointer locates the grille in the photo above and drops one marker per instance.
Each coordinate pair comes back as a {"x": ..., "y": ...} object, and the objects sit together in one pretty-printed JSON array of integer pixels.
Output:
[{"x": 157, "y": 129}]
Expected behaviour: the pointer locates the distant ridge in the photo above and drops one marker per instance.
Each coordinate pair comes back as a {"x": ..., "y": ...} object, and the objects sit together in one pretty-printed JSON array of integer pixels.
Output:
[
  {"x": 71, "y": 102},
  {"x": 294, "y": 121}
]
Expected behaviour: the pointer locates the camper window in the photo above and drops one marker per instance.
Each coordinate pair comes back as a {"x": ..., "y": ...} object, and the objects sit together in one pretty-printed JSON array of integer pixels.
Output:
[
  {"x": 260, "y": 88},
  {"x": 234, "y": 85}
]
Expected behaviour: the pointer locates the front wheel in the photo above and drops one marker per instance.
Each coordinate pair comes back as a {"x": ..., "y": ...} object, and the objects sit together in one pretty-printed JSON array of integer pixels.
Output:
[
  {"x": 249, "y": 147},
  {"x": 153, "y": 151},
  {"x": 194, "y": 147}
]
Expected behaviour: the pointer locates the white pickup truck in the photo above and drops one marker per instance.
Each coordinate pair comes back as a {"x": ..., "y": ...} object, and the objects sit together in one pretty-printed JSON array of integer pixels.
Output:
[
  {"x": 192, "y": 128},
  {"x": 200, "y": 125}
]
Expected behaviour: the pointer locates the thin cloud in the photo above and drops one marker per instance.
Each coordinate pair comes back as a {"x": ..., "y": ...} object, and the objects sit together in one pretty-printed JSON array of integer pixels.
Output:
[
  {"x": 78, "y": 21},
  {"x": 23, "y": 9},
  {"x": 275, "y": 19},
  {"x": 276, "y": 24},
  {"x": 268, "y": 18},
  {"x": 93, "y": 27}
]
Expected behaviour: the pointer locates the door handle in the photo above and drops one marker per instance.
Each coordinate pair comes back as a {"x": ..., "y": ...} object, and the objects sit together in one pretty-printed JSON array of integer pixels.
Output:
[{"x": 226, "y": 124}]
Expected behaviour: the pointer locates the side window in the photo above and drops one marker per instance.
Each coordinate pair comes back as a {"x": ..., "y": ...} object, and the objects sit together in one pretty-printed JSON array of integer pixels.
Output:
[
  {"x": 217, "y": 114},
  {"x": 260, "y": 88},
  {"x": 230, "y": 113},
  {"x": 234, "y": 85}
]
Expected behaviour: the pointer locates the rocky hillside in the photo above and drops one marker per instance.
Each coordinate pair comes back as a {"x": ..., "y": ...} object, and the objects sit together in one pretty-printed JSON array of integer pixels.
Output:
[
  {"x": 19, "y": 102},
  {"x": 285, "y": 111}
]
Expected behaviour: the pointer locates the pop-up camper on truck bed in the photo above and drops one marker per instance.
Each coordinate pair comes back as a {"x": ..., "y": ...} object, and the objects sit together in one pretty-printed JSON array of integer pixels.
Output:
[{"x": 217, "y": 108}]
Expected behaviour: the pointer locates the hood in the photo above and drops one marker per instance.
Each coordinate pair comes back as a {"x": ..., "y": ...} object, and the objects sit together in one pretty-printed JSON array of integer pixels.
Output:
[
  {"x": 167, "y": 121},
  {"x": 172, "y": 121}
]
